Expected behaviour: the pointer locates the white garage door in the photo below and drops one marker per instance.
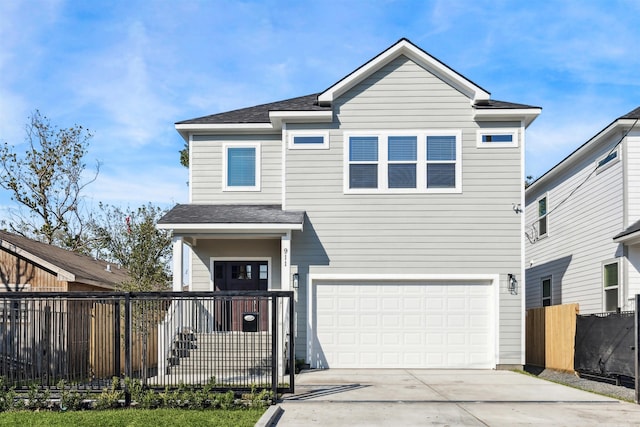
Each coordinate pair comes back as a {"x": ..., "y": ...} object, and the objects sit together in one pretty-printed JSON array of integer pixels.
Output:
[{"x": 403, "y": 325}]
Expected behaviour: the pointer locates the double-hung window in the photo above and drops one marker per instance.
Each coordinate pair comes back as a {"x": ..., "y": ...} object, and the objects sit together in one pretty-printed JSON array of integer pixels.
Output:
[
  {"x": 542, "y": 216},
  {"x": 611, "y": 285},
  {"x": 241, "y": 167},
  {"x": 404, "y": 162}
]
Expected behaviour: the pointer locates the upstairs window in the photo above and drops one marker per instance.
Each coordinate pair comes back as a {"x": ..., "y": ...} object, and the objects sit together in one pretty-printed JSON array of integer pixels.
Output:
[
  {"x": 308, "y": 140},
  {"x": 241, "y": 167},
  {"x": 497, "y": 138},
  {"x": 608, "y": 160},
  {"x": 542, "y": 216},
  {"x": 611, "y": 285},
  {"x": 403, "y": 162}
]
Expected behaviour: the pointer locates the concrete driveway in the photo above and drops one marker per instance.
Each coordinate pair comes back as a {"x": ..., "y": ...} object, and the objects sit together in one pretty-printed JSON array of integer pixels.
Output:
[{"x": 341, "y": 397}]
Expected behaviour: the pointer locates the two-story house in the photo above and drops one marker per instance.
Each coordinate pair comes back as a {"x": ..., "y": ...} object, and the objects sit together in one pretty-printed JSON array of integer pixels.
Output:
[
  {"x": 582, "y": 224},
  {"x": 385, "y": 202}
]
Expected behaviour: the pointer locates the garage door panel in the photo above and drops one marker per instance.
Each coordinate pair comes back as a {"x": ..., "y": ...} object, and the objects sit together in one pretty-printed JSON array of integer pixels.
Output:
[{"x": 403, "y": 325}]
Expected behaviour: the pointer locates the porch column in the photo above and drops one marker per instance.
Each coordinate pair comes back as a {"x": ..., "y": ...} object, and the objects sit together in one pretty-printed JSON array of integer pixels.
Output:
[
  {"x": 177, "y": 263},
  {"x": 285, "y": 261}
]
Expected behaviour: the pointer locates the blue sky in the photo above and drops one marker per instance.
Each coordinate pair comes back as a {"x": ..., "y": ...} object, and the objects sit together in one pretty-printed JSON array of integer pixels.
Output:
[{"x": 128, "y": 70}]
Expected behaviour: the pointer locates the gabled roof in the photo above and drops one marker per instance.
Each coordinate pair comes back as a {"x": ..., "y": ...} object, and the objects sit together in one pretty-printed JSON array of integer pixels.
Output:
[
  {"x": 68, "y": 266},
  {"x": 211, "y": 217},
  {"x": 626, "y": 121},
  {"x": 317, "y": 108}
]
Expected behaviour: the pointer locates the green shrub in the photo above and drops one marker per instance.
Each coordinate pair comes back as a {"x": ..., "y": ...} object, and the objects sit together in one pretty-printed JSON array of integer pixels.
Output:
[{"x": 110, "y": 397}]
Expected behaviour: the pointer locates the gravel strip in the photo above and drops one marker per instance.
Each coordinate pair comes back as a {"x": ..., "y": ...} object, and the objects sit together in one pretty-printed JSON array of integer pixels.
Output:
[{"x": 573, "y": 380}]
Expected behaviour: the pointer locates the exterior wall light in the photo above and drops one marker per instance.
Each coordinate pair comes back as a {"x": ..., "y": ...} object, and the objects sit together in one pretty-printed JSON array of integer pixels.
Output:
[
  {"x": 513, "y": 284},
  {"x": 296, "y": 279}
]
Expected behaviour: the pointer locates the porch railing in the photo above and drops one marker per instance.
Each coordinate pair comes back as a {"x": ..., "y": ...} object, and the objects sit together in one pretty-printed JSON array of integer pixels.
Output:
[{"x": 231, "y": 340}]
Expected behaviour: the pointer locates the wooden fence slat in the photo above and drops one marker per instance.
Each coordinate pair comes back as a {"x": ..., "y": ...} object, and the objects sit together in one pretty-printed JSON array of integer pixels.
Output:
[{"x": 550, "y": 336}]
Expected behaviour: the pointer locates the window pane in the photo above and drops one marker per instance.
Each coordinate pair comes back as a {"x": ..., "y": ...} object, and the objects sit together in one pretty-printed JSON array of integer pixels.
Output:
[
  {"x": 542, "y": 206},
  {"x": 263, "y": 272},
  {"x": 607, "y": 159},
  {"x": 542, "y": 226},
  {"x": 497, "y": 138},
  {"x": 546, "y": 288},
  {"x": 611, "y": 275},
  {"x": 363, "y": 176},
  {"x": 441, "y": 176},
  {"x": 363, "y": 149},
  {"x": 611, "y": 299},
  {"x": 441, "y": 147},
  {"x": 241, "y": 166},
  {"x": 403, "y": 148},
  {"x": 308, "y": 140},
  {"x": 546, "y": 302},
  {"x": 402, "y": 176}
]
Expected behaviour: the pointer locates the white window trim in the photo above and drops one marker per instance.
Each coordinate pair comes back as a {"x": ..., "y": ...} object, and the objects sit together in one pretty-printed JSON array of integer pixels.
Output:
[
  {"x": 538, "y": 217},
  {"x": 421, "y": 163},
  {"x": 542, "y": 297},
  {"x": 225, "y": 157},
  {"x": 610, "y": 163},
  {"x": 292, "y": 134},
  {"x": 619, "y": 287},
  {"x": 497, "y": 131}
]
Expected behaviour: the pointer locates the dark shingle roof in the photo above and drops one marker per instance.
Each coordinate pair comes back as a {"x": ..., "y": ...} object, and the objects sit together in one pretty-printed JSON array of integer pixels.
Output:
[
  {"x": 495, "y": 104},
  {"x": 260, "y": 113},
  {"x": 85, "y": 268},
  {"x": 231, "y": 214},
  {"x": 633, "y": 228},
  {"x": 633, "y": 114}
]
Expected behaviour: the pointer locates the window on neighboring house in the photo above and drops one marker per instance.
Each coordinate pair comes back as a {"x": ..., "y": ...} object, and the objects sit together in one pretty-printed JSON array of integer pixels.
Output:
[
  {"x": 407, "y": 162},
  {"x": 497, "y": 138},
  {"x": 542, "y": 217},
  {"x": 546, "y": 291},
  {"x": 308, "y": 140},
  {"x": 611, "y": 285},
  {"x": 241, "y": 167},
  {"x": 607, "y": 161},
  {"x": 363, "y": 162}
]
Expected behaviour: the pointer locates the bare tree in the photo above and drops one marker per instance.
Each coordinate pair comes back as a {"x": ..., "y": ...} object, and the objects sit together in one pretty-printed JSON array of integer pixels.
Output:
[{"x": 47, "y": 181}]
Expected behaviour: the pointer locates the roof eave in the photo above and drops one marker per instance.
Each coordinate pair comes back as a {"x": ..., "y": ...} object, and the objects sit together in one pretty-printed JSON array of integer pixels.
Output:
[
  {"x": 404, "y": 47},
  {"x": 186, "y": 129},
  {"x": 182, "y": 228},
  {"x": 279, "y": 117},
  {"x": 628, "y": 239},
  {"x": 61, "y": 274},
  {"x": 526, "y": 115}
]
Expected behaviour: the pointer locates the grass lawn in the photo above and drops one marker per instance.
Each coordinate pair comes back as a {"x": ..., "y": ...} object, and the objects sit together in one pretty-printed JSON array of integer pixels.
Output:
[{"x": 135, "y": 417}]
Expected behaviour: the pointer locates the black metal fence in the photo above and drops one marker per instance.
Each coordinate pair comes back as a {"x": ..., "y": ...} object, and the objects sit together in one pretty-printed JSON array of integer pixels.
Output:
[
  {"x": 605, "y": 345},
  {"x": 231, "y": 340}
]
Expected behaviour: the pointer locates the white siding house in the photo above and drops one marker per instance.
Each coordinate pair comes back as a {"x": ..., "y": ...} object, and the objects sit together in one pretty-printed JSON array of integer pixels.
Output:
[
  {"x": 389, "y": 197},
  {"x": 581, "y": 224}
]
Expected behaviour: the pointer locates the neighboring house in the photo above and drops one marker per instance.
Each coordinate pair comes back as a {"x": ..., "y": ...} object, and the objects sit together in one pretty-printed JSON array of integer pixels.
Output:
[
  {"x": 583, "y": 224},
  {"x": 385, "y": 202},
  {"x": 28, "y": 265}
]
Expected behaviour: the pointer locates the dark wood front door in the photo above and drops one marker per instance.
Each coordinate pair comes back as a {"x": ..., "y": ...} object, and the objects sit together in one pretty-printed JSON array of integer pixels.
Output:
[{"x": 235, "y": 314}]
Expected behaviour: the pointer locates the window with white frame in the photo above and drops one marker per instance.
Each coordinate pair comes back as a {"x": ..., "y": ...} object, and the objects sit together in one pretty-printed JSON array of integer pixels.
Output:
[
  {"x": 542, "y": 216},
  {"x": 497, "y": 138},
  {"x": 546, "y": 291},
  {"x": 608, "y": 160},
  {"x": 308, "y": 140},
  {"x": 611, "y": 285},
  {"x": 241, "y": 167},
  {"x": 391, "y": 161}
]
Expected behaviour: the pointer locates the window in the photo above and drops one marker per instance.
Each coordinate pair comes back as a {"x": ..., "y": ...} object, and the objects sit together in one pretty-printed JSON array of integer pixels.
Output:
[
  {"x": 546, "y": 291},
  {"x": 608, "y": 160},
  {"x": 308, "y": 140},
  {"x": 611, "y": 285},
  {"x": 241, "y": 167},
  {"x": 542, "y": 216},
  {"x": 403, "y": 162},
  {"x": 497, "y": 138}
]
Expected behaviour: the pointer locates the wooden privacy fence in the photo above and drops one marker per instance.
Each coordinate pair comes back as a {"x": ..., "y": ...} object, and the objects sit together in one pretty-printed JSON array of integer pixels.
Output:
[{"x": 550, "y": 336}]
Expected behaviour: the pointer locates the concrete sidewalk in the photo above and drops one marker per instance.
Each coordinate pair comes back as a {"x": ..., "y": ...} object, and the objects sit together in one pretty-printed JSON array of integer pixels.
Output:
[{"x": 339, "y": 397}]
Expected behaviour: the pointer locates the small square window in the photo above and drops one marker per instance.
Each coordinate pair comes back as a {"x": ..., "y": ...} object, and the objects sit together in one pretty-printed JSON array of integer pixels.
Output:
[{"x": 241, "y": 167}]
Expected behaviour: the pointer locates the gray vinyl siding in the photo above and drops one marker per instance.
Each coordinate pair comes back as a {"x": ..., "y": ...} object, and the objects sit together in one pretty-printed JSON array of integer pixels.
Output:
[
  {"x": 473, "y": 232},
  {"x": 632, "y": 163},
  {"x": 206, "y": 174},
  {"x": 580, "y": 232}
]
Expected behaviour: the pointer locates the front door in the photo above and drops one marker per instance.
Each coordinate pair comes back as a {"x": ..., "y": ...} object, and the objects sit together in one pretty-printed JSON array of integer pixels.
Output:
[{"x": 242, "y": 313}]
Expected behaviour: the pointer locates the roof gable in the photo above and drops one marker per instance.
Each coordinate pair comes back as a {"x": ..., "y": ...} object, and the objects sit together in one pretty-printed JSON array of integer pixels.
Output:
[{"x": 419, "y": 56}]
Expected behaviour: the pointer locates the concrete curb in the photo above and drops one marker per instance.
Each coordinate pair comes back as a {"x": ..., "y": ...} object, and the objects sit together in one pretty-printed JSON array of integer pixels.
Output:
[{"x": 268, "y": 418}]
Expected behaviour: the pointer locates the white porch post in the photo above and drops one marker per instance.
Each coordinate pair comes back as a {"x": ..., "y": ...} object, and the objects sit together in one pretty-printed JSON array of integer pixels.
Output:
[
  {"x": 177, "y": 264},
  {"x": 285, "y": 280}
]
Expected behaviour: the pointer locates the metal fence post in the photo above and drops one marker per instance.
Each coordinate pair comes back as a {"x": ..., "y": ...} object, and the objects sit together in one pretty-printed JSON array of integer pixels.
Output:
[
  {"x": 292, "y": 339},
  {"x": 637, "y": 342},
  {"x": 127, "y": 347},
  {"x": 274, "y": 348}
]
